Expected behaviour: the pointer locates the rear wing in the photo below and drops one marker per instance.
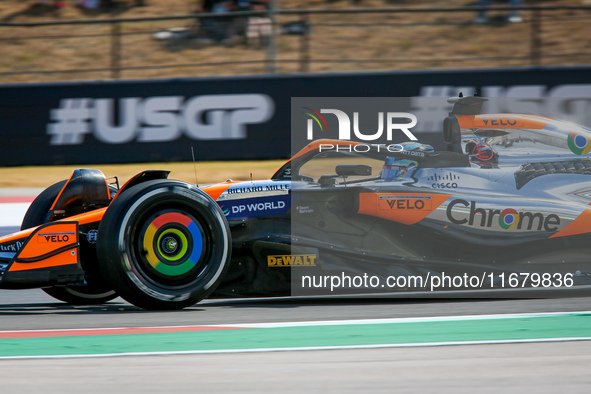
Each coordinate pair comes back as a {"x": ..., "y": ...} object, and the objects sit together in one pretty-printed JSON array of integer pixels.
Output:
[{"x": 471, "y": 105}]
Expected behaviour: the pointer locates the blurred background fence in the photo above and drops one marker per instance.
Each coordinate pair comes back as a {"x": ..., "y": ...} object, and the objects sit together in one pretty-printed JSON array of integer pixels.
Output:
[{"x": 302, "y": 40}]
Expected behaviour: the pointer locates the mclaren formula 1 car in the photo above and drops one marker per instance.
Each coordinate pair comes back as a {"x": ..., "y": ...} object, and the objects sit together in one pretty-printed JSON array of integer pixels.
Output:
[{"x": 510, "y": 196}]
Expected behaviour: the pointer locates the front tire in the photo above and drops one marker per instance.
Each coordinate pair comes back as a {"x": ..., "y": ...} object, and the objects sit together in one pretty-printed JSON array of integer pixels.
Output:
[
  {"x": 164, "y": 244},
  {"x": 87, "y": 293}
]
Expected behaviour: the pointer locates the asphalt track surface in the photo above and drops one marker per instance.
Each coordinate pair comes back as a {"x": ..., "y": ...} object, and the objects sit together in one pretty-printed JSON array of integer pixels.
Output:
[
  {"x": 524, "y": 367},
  {"x": 540, "y": 367}
]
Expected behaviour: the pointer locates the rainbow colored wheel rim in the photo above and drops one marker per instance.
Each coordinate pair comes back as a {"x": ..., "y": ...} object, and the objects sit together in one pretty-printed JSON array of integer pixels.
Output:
[{"x": 172, "y": 243}]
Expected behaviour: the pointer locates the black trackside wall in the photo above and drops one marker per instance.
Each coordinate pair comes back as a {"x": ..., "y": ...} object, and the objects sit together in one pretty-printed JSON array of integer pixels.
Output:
[{"x": 227, "y": 118}]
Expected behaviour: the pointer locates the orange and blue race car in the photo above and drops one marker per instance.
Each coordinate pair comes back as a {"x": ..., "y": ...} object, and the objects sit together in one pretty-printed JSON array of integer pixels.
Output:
[{"x": 508, "y": 203}]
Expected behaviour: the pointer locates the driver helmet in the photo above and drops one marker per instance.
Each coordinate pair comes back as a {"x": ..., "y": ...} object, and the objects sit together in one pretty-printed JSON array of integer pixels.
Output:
[
  {"x": 396, "y": 169},
  {"x": 414, "y": 146}
]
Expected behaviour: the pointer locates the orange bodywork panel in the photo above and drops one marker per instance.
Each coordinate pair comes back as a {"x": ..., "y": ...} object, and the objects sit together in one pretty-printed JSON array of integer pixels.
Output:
[
  {"x": 578, "y": 226},
  {"x": 406, "y": 208},
  {"x": 64, "y": 258},
  {"x": 61, "y": 191},
  {"x": 502, "y": 121},
  {"x": 83, "y": 218},
  {"x": 88, "y": 217},
  {"x": 217, "y": 189},
  {"x": 53, "y": 244}
]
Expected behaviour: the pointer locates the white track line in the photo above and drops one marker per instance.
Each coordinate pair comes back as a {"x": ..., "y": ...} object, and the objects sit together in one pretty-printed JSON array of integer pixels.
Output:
[
  {"x": 333, "y": 322},
  {"x": 299, "y": 349},
  {"x": 405, "y": 320}
]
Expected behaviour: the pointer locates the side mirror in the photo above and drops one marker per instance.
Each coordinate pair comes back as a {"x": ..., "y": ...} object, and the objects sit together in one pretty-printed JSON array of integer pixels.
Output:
[{"x": 353, "y": 169}]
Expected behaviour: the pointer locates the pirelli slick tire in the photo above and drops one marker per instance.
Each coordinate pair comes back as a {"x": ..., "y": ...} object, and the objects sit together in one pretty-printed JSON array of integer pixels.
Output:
[
  {"x": 164, "y": 244},
  {"x": 88, "y": 293}
]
